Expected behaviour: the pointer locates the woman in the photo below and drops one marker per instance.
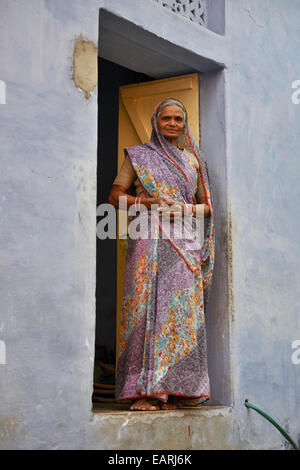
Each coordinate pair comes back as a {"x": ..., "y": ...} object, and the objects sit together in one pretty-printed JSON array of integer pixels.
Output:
[{"x": 162, "y": 353}]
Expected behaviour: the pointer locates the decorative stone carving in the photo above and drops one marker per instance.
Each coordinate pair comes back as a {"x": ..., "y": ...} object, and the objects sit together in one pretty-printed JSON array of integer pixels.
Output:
[{"x": 194, "y": 10}]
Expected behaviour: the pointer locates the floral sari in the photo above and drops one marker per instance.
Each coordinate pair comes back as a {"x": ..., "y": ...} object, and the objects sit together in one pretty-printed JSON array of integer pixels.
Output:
[{"x": 162, "y": 349}]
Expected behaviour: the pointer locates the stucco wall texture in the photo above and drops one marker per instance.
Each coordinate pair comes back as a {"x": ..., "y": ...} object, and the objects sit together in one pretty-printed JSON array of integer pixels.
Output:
[{"x": 48, "y": 214}]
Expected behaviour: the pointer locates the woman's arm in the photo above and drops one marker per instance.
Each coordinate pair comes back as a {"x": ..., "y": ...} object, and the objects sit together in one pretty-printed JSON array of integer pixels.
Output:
[
  {"x": 125, "y": 179},
  {"x": 123, "y": 182},
  {"x": 202, "y": 206},
  {"x": 117, "y": 191}
]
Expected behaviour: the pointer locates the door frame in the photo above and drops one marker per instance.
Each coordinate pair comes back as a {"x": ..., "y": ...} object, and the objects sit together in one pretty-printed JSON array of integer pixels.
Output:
[{"x": 213, "y": 144}]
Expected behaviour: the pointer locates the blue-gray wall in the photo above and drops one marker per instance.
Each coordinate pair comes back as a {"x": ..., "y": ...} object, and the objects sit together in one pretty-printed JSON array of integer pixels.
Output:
[{"x": 48, "y": 214}]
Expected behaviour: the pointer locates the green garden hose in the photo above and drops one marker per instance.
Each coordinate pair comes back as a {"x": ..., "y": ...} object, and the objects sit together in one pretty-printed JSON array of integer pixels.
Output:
[{"x": 283, "y": 432}]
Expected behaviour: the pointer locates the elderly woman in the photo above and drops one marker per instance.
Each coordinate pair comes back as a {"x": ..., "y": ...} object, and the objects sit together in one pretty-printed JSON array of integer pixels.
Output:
[{"x": 162, "y": 360}]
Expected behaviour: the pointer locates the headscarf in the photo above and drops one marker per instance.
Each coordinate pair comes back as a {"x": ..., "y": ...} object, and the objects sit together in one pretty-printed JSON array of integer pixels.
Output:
[{"x": 187, "y": 141}]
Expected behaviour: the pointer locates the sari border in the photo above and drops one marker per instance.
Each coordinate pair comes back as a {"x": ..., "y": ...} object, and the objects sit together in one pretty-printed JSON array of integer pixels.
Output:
[{"x": 167, "y": 393}]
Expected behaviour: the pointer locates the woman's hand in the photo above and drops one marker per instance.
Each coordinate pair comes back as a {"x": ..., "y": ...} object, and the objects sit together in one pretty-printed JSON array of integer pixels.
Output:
[
  {"x": 157, "y": 201},
  {"x": 171, "y": 209},
  {"x": 166, "y": 207}
]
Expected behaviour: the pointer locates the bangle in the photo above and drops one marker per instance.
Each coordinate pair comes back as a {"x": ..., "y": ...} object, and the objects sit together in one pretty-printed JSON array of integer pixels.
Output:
[{"x": 137, "y": 203}]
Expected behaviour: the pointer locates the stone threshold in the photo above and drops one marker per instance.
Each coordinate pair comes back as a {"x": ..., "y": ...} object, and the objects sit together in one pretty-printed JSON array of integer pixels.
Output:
[{"x": 123, "y": 410}]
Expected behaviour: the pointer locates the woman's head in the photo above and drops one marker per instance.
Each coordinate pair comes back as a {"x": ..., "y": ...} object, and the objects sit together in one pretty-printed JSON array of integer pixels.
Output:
[{"x": 171, "y": 120}]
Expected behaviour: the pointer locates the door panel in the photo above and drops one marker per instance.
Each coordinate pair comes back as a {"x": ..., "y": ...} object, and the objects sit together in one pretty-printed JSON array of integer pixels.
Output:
[{"x": 136, "y": 105}]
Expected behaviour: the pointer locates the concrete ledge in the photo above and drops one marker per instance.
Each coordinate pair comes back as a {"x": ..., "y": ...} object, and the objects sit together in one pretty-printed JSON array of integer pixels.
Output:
[{"x": 208, "y": 427}]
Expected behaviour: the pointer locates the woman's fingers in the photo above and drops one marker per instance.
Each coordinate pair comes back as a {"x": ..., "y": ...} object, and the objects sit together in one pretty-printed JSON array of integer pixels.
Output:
[
  {"x": 170, "y": 208},
  {"x": 167, "y": 214},
  {"x": 166, "y": 200}
]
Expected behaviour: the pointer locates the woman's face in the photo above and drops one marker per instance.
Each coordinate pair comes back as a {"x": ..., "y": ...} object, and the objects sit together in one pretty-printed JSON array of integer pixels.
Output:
[{"x": 170, "y": 122}]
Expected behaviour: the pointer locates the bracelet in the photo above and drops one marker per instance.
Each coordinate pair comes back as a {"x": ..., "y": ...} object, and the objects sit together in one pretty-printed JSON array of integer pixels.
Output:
[{"x": 137, "y": 203}]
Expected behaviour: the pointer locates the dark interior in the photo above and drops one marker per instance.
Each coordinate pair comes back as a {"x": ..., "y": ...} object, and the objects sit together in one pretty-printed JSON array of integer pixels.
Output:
[{"x": 111, "y": 77}]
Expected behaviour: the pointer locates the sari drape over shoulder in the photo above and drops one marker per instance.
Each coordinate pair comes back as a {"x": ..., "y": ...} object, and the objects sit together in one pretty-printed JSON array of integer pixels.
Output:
[{"x": 162, "y": 345}]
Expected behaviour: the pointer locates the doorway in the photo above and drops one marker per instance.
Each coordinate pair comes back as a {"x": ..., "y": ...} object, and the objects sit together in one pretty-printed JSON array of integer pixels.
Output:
[{"x": 128, "y": 55}]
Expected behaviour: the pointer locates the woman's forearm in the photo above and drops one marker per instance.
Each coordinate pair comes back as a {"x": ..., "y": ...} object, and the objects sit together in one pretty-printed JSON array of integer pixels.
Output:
[
  {"x": 114, "y": 197},
  {"x": 118, "y": 191},
  {"x": 199, "y": 210}
]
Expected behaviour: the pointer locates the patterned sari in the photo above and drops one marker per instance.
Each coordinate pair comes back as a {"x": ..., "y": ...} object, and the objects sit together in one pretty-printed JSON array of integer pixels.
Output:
[{"x": 162, "y": 349}]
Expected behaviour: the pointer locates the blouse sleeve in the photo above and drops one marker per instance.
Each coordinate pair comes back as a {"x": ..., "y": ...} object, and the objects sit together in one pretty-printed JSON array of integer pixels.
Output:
[{"x": 126, "y": 175}]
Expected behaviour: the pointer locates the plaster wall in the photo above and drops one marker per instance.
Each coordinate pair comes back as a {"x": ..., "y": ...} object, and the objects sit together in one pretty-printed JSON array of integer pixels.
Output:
[
  {"x": 48, "y": 213},
  {"x": 262, "y": 170}
]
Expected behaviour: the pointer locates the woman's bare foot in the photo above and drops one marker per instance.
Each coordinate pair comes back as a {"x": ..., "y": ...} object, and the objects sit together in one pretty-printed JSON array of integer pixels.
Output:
[
  {"x": 172, "y": 404},
  {"x": 142, "y": 404}
]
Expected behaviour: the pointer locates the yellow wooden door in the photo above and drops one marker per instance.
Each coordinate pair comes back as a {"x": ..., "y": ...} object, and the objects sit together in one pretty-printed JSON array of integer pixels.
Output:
[{"x": 136, "y": 105}]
